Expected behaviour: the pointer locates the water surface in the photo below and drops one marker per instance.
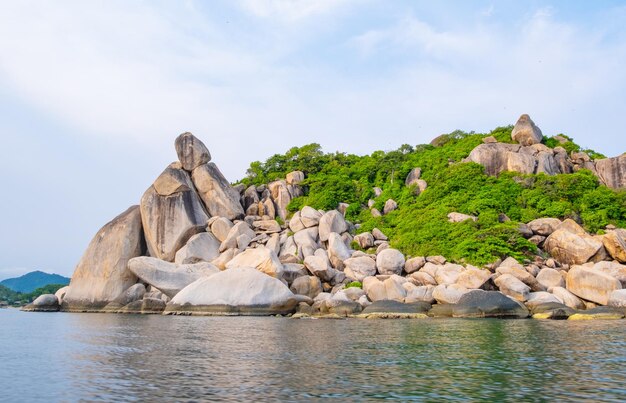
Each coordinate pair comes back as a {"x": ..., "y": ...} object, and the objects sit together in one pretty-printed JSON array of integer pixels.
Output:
[{"x": 107, "y": 357}]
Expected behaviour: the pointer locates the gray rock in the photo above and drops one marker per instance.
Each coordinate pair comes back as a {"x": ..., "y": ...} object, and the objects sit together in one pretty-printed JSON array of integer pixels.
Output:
[
  {"x": 448, "y": 274},
  {"x": 617, "y": 299},
  {"x": 43, "y": 303},
  {"x": 296, "y": 224},
  {"x": 460, "y": 217},
  {"x": 449, "y": 294},
  {"x": 220, "y": 227},
  {"x": 612, "y": 171},
  {"x": 568, "y": 299},
  {"x": 550, "y": 278},
  {"x": 191, "y": 151},
  {"x": 172, "y": 180},
  {"x": 421, "y": 278},
  {"x": 261, "y": 258},
  {"x": 390, "y": 205},
  {"x": 241, "y": 228},
  {"x": 310, "y": 286},
  {"x": 544, "y": 226},
  {"x": 374, "y": 289},
  {"x": 169, "y": 278},
  {"x": 526, "y": 132},
  {"x": 170, "y": 220},
  {"x": 488, "y": 304},
  {"x": 512, "y": 287},
  {"x": 378, "y": 235},
  {"x": 337, "y": 248},
  {"x": 102, "y": 275},
  {"x": 541, "y": 298},
  {"x": 365, "y": 240},
  {"x": 413, "y": 177},
  {"x": 310, "y": 217},
  {"x": 281, "y": 197},
  {"x": 390, "y": 261},
  {"x": 236, "y": 291},
  {"x": 332, "y": 221},
  {"x": 202, "y": 247},
  {"x": 358, "y": 268},
  {"x": 414, "y": 264},
  {"x": 60, "y": 294},
  {"x": 294, "y": 177},
  {"x": 396, "y": 307},
  {"x": 218, "y": 196},
  {"x": 420, "y": 294}
]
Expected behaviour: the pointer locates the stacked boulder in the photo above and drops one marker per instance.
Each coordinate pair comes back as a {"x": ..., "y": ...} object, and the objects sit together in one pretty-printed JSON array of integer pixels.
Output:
[
  {"x": 530, "y": 156},
  {"x": 197, "y": 245}
]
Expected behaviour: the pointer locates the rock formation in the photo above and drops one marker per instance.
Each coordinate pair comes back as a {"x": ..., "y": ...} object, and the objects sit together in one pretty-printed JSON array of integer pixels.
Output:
[{"x": 211, "y": 248}]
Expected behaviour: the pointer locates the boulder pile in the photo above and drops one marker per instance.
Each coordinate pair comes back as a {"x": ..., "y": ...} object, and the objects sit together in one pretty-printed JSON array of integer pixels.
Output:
[
  {"x": 195, "y": 245},
  {"x": 529, "y": 156}
]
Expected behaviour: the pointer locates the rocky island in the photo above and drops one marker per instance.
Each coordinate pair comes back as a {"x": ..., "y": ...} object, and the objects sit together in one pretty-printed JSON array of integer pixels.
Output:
[{"x": 197, "y": 245}]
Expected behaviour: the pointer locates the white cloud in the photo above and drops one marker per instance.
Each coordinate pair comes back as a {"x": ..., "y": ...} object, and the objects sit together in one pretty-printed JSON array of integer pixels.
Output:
[{"x": 291, "y": 11}]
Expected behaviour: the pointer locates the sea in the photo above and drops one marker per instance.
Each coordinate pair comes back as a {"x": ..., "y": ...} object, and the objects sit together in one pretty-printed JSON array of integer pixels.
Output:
[{"x": 69, "y": 357}]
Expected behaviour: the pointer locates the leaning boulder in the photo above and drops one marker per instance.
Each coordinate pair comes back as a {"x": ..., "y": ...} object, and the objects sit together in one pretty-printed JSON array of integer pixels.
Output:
[
  {"x": 202, "y": 247},
  {"x": 237, "y": 291},
  {"x": 171, "y": 214},
  {"x": 612, "y": 171},
  {"x": 191, "y": 151},
  {"x": 591, "y": 285},
  {"x": 488, "y": 304},
  {"x": 526, "y": 132},
  {"x": 102, "y": 275},
  {"x": 615, "y": 244},
  {"x": 169, "y": 278},
  {"x": 219, "y": 197},
  {"x": 332, "y": 221}
]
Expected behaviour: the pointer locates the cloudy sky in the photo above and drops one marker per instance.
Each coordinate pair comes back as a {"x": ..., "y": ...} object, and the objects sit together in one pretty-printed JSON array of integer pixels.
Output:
[{"x": 93, "y": 93}]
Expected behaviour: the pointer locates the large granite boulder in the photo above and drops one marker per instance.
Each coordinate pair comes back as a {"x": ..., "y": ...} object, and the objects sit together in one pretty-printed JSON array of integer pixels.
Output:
[
  {"x": 331, "y": 221},
  {"x": 202, "y": 247},
  {"x": 168, "y": 277},
  {"x": 617, "y": 299},
  {"x": 526, "y": 132},
  {"x": 500, "y": 157},
  {"x": 570, "y": 244},
  {"x": 191, "y": 152},
  {"x": 488, "y": 304},
  {"x": 236, "y": 291},
  {"x": 171, "y": 214},
  {"x": 513, "y": 287},
  {"x": 413, "y": 177},
  {"x": 544, "y": 226},
  {"x": 473, "y": 278},
  {"x": 390, "y": 261},
  {"x": 357, "y": 268},
  {"x": 102, "y": 273},
  {"x": 612, "y": 171},
  {"x": 569, "y": 299},
  {"x": 591, "y": 285},
  {"x": 337, "y": 248},
  {"x": 615, "y": 244},
  {"x": 310, "y": 286},
  {"x": 219, "y": 197},
  {"x": 549, "y": 278},
  {"x": 280, "y": 195},
  {"x": 263, "y": 259}
]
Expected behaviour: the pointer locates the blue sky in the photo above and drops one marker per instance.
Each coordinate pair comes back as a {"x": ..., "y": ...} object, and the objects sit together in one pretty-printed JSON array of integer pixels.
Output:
[{"x": 93, "y": 93}]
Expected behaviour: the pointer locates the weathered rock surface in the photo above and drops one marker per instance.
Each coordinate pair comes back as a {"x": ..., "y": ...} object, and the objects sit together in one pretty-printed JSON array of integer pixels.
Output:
[
  {"x": 170, "y": 220},
  {"x": 169, "y": 278},
  {"x": 571, "y": 245},
  {"x": 358, "y": 268},
  {"x": 473, "y": 278},
  {"x": 191, "y": 151},
  {"x": 202, "y": 247},
  {"x": 526, "y": 132},
  {"x": 390, "y": 261},
  {"x": 615, "y": 244},
  {"x": 617, "y": 299},
  {"x": 512, "y": 287},
  {"x": 488, "y": 304},
  {"x": 449, "y": 294},
  {"x": 612, "y": 171},
  {"x": 591, "y": 285},
  {"x": 261, "y": 258},
  {"x": 549, "y": 278},
  {"x": 310, "y": 286},
  {"x": 102, "y": 275},
  {"x": 43, "y": 303},
  {"x": 332, "y": 221},
  {"x": 218, "y": 196},
  {"x": 236, "y": 291}
]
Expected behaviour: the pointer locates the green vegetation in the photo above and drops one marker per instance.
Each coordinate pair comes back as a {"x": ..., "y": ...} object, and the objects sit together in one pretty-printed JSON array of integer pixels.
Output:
[
  {"x": 420, "y": 226},
  {"x": 354, "y": 284},
  {"x": 10, "y": 296}
]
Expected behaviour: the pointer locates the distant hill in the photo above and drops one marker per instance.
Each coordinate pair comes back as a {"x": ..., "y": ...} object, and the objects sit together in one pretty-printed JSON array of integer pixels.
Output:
[{"x": 31, "y": 281}]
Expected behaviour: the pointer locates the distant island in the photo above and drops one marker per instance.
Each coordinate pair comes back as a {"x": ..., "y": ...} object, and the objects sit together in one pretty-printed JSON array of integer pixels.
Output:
[
  {"x": 26, "y": 288},
  {"x": 509, "y": 223}
]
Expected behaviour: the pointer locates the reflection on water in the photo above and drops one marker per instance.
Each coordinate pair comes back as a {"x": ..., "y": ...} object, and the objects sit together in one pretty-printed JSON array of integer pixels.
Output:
[{"x": 70, "y": 357}]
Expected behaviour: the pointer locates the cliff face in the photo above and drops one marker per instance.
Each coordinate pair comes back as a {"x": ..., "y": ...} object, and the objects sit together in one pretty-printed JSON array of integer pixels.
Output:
[{"x": 197, "y": 245}]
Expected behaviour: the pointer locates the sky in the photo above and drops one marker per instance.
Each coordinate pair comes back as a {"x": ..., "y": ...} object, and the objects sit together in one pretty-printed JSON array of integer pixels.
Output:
[{"x": 93, "y": 93}]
